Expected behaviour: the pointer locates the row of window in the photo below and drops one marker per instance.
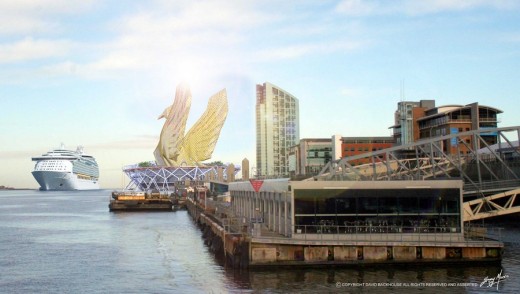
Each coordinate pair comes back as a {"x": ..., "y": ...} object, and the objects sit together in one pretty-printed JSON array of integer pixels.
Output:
[
  {"x": 354, "y": 201},
  {"x": 362, "y": 149},
  {"x": 382, "y": 210}
]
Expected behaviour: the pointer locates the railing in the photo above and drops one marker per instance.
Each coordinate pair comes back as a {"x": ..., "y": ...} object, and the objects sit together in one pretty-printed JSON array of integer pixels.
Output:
[
  {"x": 363, "y": 229},
  {"x": 470, "y": 188},
  {"x": 236, "y": 225},
  {"x": 392, "y": 234},
  {"x": 482, "y": 232}
]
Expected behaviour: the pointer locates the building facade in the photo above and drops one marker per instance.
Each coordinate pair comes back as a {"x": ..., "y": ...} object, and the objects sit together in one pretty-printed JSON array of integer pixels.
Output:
[
  {"x": 406, "y": 129},
  {"x": 354, "y": 209},
  {"x": 351, "y": 146},
  {"x": 452, "y": 119},
  {"x": 421, "y": 120},
  {"x": 277, "y": 129},
  {"x": 310, "y": 156}
]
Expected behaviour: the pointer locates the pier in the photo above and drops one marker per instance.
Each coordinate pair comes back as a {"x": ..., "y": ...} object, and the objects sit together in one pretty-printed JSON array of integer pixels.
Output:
[{"x": 282, "y": 223}]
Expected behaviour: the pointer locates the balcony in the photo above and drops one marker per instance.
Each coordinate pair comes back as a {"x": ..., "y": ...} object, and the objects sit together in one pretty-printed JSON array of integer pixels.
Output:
[{"x": 440, "y": 122}]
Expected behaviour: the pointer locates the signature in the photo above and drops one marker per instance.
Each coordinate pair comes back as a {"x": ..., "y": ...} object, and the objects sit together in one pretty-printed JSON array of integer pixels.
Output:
[{"x": 494, "y": 280}]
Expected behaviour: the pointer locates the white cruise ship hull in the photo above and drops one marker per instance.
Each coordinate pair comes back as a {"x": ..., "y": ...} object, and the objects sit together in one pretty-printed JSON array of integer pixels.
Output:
[{"x": 53, "y": 180}]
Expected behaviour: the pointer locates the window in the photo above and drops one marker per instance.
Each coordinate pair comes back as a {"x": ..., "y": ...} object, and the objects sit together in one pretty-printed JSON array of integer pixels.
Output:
[{"x": 406, "y": 209}]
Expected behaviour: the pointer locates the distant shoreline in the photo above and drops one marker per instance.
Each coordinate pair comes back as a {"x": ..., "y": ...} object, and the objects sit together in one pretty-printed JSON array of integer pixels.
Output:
[{"x": 4, "y": 188}]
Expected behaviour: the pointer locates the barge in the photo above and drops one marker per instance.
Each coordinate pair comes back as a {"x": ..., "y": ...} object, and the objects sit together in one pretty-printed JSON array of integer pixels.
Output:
[{"x": 140, "y": 201}]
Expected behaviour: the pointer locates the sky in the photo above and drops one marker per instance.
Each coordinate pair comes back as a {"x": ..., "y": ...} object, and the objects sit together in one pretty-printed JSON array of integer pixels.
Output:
[{"x": 98, "y": 73}]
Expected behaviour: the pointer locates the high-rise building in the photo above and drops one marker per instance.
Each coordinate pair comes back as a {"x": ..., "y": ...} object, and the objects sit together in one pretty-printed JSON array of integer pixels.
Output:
[{"x": 277, "y": 129}]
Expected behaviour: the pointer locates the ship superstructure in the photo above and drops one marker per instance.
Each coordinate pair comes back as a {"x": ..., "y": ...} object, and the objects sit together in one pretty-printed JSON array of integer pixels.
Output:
[{"x": 62, "y": 169}]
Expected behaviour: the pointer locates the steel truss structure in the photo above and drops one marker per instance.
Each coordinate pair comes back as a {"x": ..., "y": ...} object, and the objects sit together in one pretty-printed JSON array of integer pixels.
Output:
[
  {"x": 483, "y": 169},
  {"x": 163, "y": 178},
  {"x": 495, "y": 205}
]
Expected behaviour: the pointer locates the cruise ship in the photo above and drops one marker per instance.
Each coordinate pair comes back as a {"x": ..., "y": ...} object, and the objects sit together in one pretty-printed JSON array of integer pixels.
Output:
[{"x": 62, "y": 169}]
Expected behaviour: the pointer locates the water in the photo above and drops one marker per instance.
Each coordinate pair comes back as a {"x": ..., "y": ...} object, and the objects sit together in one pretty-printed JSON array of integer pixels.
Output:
[{"x": 68, "y": 242}]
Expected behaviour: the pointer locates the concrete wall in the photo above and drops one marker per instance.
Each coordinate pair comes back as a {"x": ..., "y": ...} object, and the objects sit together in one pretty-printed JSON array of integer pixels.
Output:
[
  {"x": 473, "y": 252},
  {"x": 375, "y": 253},
  {"x": 316, "y": 253},
  {"x": 263, "y": 255},
  {"x": 345, "y": 253},
  {"x": 433, "y": 253},
  {"x": 290, "y": 253},
  {"x": 404, "y": 252}
]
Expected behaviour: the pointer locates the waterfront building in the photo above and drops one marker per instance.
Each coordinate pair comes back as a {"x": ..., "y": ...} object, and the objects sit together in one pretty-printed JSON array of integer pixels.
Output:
[
  {"x": 277, "y": 129},
  {"x": 277, "y": 222},
  {"x": 421, "y": 120},
  {"x": 452, "y": 119},
  {"x": 353, "y": 210}
]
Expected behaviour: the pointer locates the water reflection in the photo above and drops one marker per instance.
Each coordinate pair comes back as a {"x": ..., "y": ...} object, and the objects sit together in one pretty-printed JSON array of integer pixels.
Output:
[{"x": 376, "y": 279}]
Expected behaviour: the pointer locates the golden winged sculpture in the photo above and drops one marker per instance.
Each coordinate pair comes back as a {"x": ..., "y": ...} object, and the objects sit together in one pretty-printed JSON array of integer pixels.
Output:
[{"x": 176, "y": 148}]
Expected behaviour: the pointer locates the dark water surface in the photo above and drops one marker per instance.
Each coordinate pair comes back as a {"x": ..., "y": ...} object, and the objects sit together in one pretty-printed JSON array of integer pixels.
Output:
[{"x": 68, "y": 242}]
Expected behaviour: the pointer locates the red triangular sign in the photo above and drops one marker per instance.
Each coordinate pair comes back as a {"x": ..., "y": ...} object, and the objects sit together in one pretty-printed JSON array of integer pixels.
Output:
[{"x": 257, "y": 184}]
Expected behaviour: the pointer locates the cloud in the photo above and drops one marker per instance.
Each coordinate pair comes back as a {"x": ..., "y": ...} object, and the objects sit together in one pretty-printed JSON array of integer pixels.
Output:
[
  {"x": 357, "y": 7},
  {"x": 296, "y": 51},
  {"x": 414, "y": 7},
  {"x": 437, "y": 6},
  {"x": 44, "y": 6},
  {"x": 31, "y": 49},
  {"x": 196, "y": 15},
  {"x": 35, "y": 16},
  {"x": 13, "y": 25},
  {"x": 200, "y": 40}
]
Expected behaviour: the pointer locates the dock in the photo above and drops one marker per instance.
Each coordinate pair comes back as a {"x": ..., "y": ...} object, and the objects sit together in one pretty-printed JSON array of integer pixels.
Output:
[{"x": 272, "y": 225}]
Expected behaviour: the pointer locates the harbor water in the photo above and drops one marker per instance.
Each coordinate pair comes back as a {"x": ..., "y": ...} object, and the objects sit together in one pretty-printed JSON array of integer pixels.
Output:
[{"x": 68, "y": 242}]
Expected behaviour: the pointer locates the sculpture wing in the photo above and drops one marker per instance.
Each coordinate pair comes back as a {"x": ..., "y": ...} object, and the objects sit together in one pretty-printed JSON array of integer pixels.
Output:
[
  {"x": 172, "y": 134},
  {"x": 200, "y": 141}
]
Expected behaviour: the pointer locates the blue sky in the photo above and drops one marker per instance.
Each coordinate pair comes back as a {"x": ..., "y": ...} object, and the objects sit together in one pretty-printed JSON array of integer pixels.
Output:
[{"x": 98, "y": 73}]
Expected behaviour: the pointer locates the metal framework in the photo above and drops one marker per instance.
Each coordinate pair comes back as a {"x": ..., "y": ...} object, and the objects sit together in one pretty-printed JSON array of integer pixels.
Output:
[
  {"x": 495, "y": 205},
  {"x": 483, "y": 169},
  {"x": 163, "y": 178}
]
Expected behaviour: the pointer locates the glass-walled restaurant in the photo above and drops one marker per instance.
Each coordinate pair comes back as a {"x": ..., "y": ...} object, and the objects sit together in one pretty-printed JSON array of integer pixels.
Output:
[{"x": 377, "y": 207}]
